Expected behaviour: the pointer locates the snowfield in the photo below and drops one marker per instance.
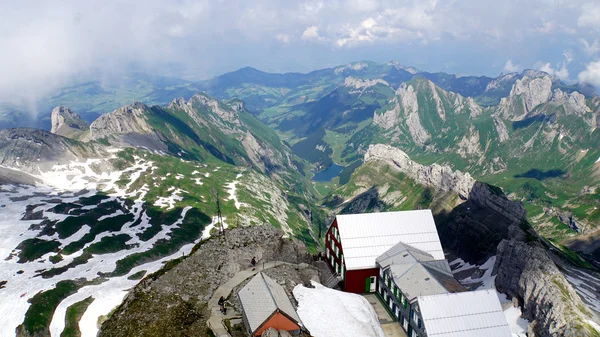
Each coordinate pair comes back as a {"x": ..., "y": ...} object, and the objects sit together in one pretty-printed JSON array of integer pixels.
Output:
[
  {"x": 67, "y": 184},
  {"x": 331, "y": 313}
]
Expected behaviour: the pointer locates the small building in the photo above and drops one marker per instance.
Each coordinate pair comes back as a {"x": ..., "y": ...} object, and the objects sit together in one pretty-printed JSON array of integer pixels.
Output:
[
  {"x": 265, "y": 304},
  {"x": 354, "y": 241}
]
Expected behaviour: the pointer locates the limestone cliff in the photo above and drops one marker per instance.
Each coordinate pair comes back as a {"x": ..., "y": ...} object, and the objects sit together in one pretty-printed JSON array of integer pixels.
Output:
[
  {"x": 526, "y": 272},
  {"x": 67, "y": 123},
  {"x": 437, "y": 176}
]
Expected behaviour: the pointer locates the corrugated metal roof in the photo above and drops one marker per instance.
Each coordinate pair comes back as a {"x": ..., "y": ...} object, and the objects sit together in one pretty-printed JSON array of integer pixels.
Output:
[
  {"x": 416, "y": 280},
  {"x": 402, "y": 253},
  {"x": 467, "y": 314},
  {"x": 261, "y": 297},
  {"x": 366, "y": 236}
]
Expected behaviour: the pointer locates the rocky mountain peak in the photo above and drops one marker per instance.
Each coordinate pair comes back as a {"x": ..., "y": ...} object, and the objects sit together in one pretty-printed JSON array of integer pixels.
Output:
[
  {"x": 351, "y": 66},
  {"x": 65, "y": 122},
  {"x": 526, "y": 94},
  {"x": 130, "y": 119},
  {"x": 358, "y": 83},
  {"x": 226, "y": 113},
  {"x": 575, "y": 101},
  {"x": 440, "y": 177},
  {"x": 501, "y": 81},
  {"x": 399, "y": 66},
  {"x": 534, "y": 91}
]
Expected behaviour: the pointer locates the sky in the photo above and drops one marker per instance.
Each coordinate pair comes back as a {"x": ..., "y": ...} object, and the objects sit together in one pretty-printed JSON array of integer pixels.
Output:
[{"x": 46, "y": 45}]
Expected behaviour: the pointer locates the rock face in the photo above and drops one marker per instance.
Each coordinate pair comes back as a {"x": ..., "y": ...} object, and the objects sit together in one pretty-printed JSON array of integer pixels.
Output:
[
  {"x": 128, "y": 121},
  {"x": 494, "y": 199},
  {"x": 440, "y": 177},
  {"x": 67, "y": 123},
  {"x": 474, "y": 228},
  {"x": 526, "y": 272},
  {"x": 526, "y": 94},
  {"x": 173, "y": 301},
  {"x": 31, "y": 150}
]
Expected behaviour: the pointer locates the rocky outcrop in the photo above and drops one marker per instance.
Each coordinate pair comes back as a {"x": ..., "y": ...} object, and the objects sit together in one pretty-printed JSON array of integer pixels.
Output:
[
  {"x": 501, "y": 129},
  {"x": 67, "y": 123},
  {"x": 526, "y": 94},
  {"x": 31, "y": 150},
  {"x": 359, "y": 85},
  {"x": 437, "y": 176},
  {"x": 130, "y": 119},
  {"x": 173, "y": 301},
  {"x": 526, "y": 272},
  {"x": 474, "y": 228},
  {"x": 493, "y": 198},
  {"x": 407, "y": 112},
  {"x": 128, "y": 126}
]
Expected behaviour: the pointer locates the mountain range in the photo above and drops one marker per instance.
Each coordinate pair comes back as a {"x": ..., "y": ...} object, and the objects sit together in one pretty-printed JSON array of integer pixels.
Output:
[{"x": 116, "y": 188}]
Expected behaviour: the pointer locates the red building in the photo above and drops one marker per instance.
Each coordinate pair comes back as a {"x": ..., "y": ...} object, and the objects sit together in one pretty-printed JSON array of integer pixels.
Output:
[{"x": 354, "y": 241}]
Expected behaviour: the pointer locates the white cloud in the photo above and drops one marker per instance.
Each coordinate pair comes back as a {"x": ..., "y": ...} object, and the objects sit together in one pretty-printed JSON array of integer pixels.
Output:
[
  {"x": 72, "y": 39},
  {"x": 363, "y": 5},
  {"x": 591, "y": 74},
  {"x": 283, "y": 38},
  {"x": 509, "y": 67},
  {"x": 590, "y": 14},
  {"x": 311, "y": 34},
  {"x": 561, "y": 72},
  {"x": 569, "y": 56},
  {"x": 590, "y": 48}
]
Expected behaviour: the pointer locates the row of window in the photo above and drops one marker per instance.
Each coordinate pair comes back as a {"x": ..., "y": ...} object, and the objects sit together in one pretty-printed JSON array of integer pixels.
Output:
[
  {"x": 337, "y": 267},
  {"x": 395, "y": 307}
]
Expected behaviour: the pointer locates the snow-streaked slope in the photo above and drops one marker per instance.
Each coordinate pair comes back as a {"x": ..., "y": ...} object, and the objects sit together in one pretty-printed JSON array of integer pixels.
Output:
[
  {"x": 65, "y": 183},
  {"x": 331, "y": 313}
]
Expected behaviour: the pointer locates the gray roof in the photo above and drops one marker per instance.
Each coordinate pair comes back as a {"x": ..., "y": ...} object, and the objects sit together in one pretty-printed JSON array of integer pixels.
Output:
[
  {"x": 262, "y": 297},
  {"x": 402, "y": 253},
  {"x": 468, "y": 314},
  {"x": 417, "y": 279}
]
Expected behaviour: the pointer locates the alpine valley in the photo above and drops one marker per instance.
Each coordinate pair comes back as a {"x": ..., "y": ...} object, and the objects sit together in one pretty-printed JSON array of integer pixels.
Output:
[{"x": 134, "y": 178}]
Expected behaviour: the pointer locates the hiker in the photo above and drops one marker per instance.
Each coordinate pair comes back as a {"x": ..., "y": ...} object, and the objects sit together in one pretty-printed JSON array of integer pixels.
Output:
[
  {"x": 222, "y": 305},
  {"x": 253, "y": 262}
]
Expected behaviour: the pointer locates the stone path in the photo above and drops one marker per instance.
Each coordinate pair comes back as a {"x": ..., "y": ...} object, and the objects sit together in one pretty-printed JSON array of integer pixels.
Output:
[
  {"x": 390, "y": 327},
  {"x": 215, "y": 322}
]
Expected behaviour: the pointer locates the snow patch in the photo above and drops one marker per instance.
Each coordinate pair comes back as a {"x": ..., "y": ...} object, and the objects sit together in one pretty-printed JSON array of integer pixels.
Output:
[
  {"x": 207, "y": 229},
  {"x": 231, "y": 189},
  {"x": 170, "y": 201},
  {"x": 331, "y": 313}
]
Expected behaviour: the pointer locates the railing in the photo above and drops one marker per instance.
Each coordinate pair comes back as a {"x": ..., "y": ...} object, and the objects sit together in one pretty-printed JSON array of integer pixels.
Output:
[{"x": 333, "y": 281}]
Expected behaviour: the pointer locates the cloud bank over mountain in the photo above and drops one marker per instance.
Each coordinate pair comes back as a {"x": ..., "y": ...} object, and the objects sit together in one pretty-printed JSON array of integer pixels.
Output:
[{"x": 49, "y": 45}]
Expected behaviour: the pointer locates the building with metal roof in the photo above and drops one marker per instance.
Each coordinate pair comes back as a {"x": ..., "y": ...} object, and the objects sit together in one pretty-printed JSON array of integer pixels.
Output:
[
  {"x": 467, "y": 314},
  {"x": 399, "y": 256},
  {"x": 265, "y": 304},
  {"x": 354, "y": 242}
]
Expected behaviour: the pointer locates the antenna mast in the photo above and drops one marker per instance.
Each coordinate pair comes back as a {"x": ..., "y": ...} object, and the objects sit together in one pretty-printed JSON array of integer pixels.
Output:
[{"x": 219, "y": 215}]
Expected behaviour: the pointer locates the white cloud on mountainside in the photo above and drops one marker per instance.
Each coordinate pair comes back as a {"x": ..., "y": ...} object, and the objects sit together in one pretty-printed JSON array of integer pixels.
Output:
[
  {"x": 509, "y": 67},
  {"x": 591, "y": 74}
]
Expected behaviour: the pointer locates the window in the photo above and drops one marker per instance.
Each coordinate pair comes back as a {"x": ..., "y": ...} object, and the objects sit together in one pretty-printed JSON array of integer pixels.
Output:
[
  {"x": 419, "y": 323},
  {"x": 405, "y": 303}
]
